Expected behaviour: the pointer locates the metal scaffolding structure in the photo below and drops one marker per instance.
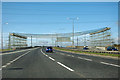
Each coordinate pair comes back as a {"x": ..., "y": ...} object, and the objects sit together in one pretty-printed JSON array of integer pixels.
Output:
[
  {"x": 101, "y": 38},
  {"x": 17, "y": 41},
  {"x": 97, "y": 37},
  {"x": 60, "y": 34}
]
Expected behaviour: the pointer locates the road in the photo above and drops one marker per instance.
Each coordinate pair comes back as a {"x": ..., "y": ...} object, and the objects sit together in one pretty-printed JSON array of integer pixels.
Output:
[{"x": 36, "y": 63}]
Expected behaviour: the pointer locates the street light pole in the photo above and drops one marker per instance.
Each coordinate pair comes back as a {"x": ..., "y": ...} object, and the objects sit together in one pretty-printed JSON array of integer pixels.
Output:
[
  {"x": 77, "y": 41},
  {"x": 73, "y": 19},
  {"x": 73, "y": 34},
  {"x": 1, "y": 26},
  {"x": 31, "y": 41}
]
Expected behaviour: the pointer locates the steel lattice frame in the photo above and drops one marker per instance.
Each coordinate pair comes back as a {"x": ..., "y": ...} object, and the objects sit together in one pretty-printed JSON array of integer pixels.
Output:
[{"x": 99, "y": 37}]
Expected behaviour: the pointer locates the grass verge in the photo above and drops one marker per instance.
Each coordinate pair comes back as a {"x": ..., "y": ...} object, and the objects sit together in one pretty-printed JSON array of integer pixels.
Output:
[
  {"x": 104, "y": 54},
  {"x": 5, "y": 50}
]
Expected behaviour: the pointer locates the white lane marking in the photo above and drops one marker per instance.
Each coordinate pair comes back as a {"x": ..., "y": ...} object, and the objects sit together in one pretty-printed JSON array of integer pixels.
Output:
[
  {"x": 68, "y": 55},
  {"x": 59, "y": 62},
  {"x": 110, "y": 64},
  {"x": 46, "y": 55},
  {"x": 14, "y": 60},
  {"x": 4, "y": 66},
  {"x": 8, "y": 64},
  {"x": 80, "y": 58},
  {"x": 51, "y": 58},
  {"x": 17, "y": 51},
  {"x": 72, "y": 56},
  {"x": 62, "y": 54},
  {"x": 65, "y": 66},
  {"x": 85, "y": 59},
  {"x": 42, "y": 52}
]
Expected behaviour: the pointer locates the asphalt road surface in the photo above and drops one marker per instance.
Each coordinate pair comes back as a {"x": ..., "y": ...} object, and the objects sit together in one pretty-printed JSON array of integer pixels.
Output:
[{"x": 36, "y": 63}]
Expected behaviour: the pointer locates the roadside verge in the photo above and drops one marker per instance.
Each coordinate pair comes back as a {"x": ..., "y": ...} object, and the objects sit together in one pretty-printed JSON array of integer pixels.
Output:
[{"x": 105, "y": 55}]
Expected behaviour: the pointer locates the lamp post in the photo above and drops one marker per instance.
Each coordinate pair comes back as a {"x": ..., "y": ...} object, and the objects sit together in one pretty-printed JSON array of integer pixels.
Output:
[
  {"x": 73, "y": 19},
  {"x": 2, "y": 33},
  {"x": 31, "y": 41}
]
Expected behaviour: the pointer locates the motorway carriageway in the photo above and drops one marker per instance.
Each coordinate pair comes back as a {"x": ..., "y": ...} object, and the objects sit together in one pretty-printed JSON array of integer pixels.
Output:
[{"x": 36, "y": 63}]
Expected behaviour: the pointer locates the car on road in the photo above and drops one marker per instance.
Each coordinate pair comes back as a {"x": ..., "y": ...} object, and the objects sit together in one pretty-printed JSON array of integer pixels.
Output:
[
  {"x": 85, "y": 48},
  {"x": 110, "y": 48},
  {"x": 49, "y": 49}
]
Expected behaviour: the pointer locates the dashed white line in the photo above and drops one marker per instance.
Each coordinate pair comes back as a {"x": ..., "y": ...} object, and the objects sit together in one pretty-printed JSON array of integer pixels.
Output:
[
  {"x": 51, "y": 58},
  {"x": 80, "y": 58},
  {"x": 59, "y": 62},
  {"x": 85, "y": 59},
  {"x": 8, "y": 64},
  {"x": 72, "y": 56},
  {"x": 110, "y": 64},
  {"x": 4, "y": 66},
  {"x": 46, "y": 55},
  {"x": 62, "y": 54},
  {"x": 68, "y": 55},
  {"x": 65, "y": 66}
]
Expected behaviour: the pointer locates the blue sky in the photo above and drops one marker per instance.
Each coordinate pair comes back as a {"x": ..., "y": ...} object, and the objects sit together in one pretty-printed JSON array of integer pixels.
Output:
[
  {"x": 60, "y": 0},
  {"x": 51, "y": 17}
]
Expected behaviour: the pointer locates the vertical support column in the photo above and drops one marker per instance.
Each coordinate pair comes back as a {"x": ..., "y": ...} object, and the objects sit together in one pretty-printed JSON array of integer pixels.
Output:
[
  {"x": 73, "y": 35},
  {"x": 31, "y": 41},
  {"x": 77, "y": 41},
  {"x": 85, "y": 40},
  {"x": 52, "y": 40},
  {"x": 56, "y": 40},
  {"x": 9, "y": 41},
  {"x": 36, "y": 41},
  {"x": 91, "y": 41}
]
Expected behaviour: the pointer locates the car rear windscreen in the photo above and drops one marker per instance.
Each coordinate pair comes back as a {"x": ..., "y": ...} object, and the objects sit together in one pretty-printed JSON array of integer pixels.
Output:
[{"x": 49, "y": 47}]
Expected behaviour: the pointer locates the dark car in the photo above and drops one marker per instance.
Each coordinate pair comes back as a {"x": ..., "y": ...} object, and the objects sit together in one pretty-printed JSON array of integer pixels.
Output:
[
  {"x": 109, "y": 48},
  {"x": 49, "y": 49},
  {"x": 85, "y": 48}
]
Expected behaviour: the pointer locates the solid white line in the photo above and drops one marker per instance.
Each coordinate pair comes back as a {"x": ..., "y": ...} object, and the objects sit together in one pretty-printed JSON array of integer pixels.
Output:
[
  {"x": 17, "y": 51},
  {"x": 110, "y": 64},
  {"x": 51, "y": 58},
  {"x": 65, "y": 66},
  {"x": 14, "y": 60}
]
